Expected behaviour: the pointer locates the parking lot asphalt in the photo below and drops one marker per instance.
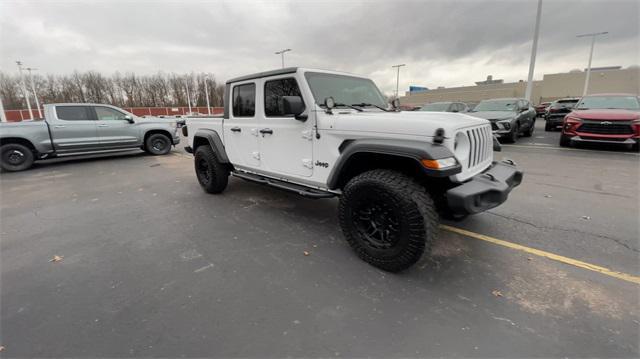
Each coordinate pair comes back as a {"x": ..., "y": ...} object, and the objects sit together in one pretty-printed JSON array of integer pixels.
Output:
[{"x": 152, "y": 266}]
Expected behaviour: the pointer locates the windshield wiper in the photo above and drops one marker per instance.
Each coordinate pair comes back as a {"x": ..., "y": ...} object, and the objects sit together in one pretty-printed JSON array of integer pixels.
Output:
[
  {"x": 363, "y": 104},
  {"x": 345, "y": 105}
]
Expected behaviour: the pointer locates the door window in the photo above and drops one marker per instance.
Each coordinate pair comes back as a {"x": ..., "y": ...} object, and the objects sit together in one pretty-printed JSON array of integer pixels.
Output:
[
  {"x": 73, "y": 113},
  {"x": 109, "y": 114},
  {"x": 273, "y": 92},
  {"x": 244, "y": 100}
]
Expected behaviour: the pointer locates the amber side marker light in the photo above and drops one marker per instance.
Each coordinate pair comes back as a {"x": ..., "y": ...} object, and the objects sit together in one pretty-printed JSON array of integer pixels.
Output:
[{"x": 439, "y": 164}]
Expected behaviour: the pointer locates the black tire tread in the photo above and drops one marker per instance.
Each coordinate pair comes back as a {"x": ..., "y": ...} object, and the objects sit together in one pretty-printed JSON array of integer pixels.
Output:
[
  {"x": 422, "y": 216},
  {"x": 220, "y": 175},
  {"x": 25, "y": 165},
  {"x": 149, "y": 149}
]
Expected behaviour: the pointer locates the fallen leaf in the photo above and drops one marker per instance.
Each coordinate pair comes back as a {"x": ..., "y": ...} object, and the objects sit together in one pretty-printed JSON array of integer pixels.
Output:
[
  {"x": 529, "y": 258},
  {"x": 548, "y": 196},
  {"x": 56, "y": 259},
  {"x": 497, "y": 293},
  {"x": 586, "y": 218},
  {"x": 306, "y": 253}
]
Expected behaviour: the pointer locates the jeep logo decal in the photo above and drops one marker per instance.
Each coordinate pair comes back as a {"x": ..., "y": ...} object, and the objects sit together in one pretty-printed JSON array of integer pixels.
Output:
[{"x": 322, "y": 164}]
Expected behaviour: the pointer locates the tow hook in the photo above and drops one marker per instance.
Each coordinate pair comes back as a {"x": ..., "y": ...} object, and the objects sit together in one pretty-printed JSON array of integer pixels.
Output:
[
  {"x": 490, "y": 176},
  {"x": 509, "y": 162}
]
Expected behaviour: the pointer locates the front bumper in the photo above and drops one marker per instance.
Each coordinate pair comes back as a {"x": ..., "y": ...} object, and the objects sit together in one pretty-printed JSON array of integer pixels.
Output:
[
  {"x": 555, "y": 120},
  {"x": 485, "y": 190}
]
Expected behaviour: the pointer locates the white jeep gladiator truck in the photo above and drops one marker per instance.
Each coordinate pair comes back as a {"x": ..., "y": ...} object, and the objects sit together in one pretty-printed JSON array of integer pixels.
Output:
[{"x": 322, "y": 134}]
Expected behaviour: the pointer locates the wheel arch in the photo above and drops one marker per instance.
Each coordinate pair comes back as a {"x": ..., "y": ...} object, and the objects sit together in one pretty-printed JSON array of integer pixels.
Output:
[
  {"x": 18, "y": 140},
  {"x": 211, "y": 138},
  {"x": 358, "y": 156},
  {"x": 154, "y": 131}
]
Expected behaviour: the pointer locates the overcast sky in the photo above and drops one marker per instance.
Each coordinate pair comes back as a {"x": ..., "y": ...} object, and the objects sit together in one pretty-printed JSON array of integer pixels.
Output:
[{"x": 443, "y": 43}]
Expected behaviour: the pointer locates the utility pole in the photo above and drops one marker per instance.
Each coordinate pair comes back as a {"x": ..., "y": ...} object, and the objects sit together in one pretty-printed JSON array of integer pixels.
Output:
[
  {"x": 593, "y": 42},
  {"x": 24, "y": 89},
  {"x": 33, "y": 89},
  {"x": 534, "y": 49},
  {"x": 398, "y": 76},
  {"x": 206, "y": 93},
  {"x": 3, "y": 117},
  {"x": 281, "y": 52},
  {"x": 186, "y": 86}
]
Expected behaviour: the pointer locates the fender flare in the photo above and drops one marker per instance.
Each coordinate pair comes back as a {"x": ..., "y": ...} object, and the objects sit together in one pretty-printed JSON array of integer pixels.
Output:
[
  {"x": 213, "y": 138},
  {"x": 415, "y": 150}
]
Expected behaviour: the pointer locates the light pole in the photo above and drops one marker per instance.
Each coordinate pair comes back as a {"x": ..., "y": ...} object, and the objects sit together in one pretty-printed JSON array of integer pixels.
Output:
[
  {"x": 281, "y": 52},
  {"x": 534, "y": 49},
  {"x": 186, "y": 86},
  {"x": 206, "y": 93},
  {"x": 24, "y": 89},
  {"x": 593, "y": 42},
  {"x": 3, "y": 117},
  {"x": 33, "y": 89},
  {"x": 398, "y": 76}
]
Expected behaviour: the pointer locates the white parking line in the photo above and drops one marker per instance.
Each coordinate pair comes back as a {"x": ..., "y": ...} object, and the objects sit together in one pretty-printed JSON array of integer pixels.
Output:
[{"x": 548, "y": 147}]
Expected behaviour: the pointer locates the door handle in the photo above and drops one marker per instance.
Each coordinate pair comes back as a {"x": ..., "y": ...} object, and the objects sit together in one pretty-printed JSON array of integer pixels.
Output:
[
  {"x": 266, "y": 131},
  {"x": 103, "y": 125},
  {"x": 58, "y": 126},
  {"x": 236, "y": 129}
]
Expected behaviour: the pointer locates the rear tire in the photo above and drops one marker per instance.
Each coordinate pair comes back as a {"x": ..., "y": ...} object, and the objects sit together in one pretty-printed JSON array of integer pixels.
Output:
[
  {"x": 548, "y": 127},
  {"x": 16, "y": 157},
  {"x": 565, "y": 141},
  {"x": 212, "y": 175},
  {"x": 388, "y": 219},
  {"x": 158, "y": 144}
]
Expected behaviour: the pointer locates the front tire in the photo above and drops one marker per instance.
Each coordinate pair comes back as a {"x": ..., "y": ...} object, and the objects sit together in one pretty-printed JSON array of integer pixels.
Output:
[
  {"x": 15, "y": 157},
  {"x": 158, "y": 144},
  {"x": 565, "y": 141},
  {"x": 531, "y": 129},
  {"x": 388, "y": 219},
  {"x": 548, "y": 127},
  {"x": 512, "y": 136},
  {"x": 212, "y": 175}
]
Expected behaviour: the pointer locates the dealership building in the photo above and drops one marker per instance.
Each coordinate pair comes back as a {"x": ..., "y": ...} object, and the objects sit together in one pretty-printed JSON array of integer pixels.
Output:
[{"x": 551, "y": 87}]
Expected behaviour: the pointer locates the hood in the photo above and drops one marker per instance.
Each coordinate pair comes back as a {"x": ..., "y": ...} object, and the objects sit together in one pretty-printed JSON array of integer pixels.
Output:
[
  {"x": 493, "y": 115},
  {"x": 606, "y": 114},
  {"x": 419, "y": 123}
]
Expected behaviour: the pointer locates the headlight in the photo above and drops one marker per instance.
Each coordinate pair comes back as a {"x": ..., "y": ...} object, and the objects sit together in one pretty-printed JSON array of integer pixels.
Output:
[
  {"x": 461, "y": 146},
  {"x": 506, "y": 124},
  {"x": 440, "y": 164}
]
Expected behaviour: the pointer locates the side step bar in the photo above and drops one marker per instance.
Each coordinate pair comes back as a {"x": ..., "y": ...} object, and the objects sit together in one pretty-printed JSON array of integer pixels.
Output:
[{"x": 291, "y": 187}]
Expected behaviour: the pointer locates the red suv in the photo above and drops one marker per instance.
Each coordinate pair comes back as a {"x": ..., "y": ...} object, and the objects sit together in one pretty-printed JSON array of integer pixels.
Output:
[{"x": 603, "y": 118}]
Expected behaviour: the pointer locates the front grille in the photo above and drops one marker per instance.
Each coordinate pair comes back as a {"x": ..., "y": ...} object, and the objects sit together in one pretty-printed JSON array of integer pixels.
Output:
[
  {"x": 606, "y": 128},
  {"x": 480, "y": 146}
]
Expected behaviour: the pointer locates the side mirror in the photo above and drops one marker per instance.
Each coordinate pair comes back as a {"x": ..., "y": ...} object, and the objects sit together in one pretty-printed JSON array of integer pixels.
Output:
[
  {"x": 129, "y": 119},
  {"x": 293, "y": 105},
  {"x": 395, "y": 104}
]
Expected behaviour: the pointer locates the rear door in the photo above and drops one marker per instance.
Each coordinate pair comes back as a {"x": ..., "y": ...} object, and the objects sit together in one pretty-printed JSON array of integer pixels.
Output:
[
  {"x": 114, "y": 130},
  {"x": 241, "y": 128},
  {"x": 74, "y": 129}
]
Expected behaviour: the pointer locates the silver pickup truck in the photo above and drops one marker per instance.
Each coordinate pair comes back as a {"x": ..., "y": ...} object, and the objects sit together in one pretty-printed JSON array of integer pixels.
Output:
[{"x": 75, "y": 129}]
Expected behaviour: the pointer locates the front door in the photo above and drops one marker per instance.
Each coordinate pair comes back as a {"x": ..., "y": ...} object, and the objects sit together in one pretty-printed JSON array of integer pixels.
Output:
[
  {"x": 114, "y": 130},
  {"x": 241, "y": 129},
  {"x": 74, "y": 129},
  {"x": 286, "y": 144}
]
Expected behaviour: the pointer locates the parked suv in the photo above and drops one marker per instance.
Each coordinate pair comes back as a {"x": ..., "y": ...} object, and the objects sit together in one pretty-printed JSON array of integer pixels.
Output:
[
  {"x": 554, "y": 115},
  {"x": 445, "y": 107},
  {"x": 324, "y": 134},
  {"x": 541, "y": 108},
  {"x": 81, "y": 128},
  {"x": 603, "y": 118},
  {"x": 509, "y": 117}
]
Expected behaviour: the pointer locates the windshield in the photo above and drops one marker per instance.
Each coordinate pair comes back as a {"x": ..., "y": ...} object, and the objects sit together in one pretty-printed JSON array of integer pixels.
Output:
[
  {"x": 496, "y": 105},
  {"x": 437, "y": 106},
  {"x": 346, "y": 90},
  {"x": 612, "y": 102}
]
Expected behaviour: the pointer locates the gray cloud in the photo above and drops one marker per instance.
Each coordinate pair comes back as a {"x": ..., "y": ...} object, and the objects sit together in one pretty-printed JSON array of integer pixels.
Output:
[{"x": 442, "y": 42}]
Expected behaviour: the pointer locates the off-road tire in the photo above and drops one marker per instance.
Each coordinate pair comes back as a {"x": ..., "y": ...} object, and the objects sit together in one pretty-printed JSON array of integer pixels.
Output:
[
  {"x": 512, "y": 136},
  {"x": 530, "y": 130},
  {"x": 15, "y": 157},
  {"x": 212, "y": 175},
  {"x": 565, "y": 141},
  {"x": 408, "y": 217},
  {"x": 157, "y": 144},
  {"x": 548, "y": 127}
]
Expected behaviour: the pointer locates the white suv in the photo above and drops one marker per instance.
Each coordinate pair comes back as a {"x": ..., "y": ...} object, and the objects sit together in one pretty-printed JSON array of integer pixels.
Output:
[{"x": 323, "y": 134}]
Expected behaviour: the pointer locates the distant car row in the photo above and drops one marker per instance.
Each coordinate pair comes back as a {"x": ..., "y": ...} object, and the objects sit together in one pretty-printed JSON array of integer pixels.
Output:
[{"x": 604, "y": 118}]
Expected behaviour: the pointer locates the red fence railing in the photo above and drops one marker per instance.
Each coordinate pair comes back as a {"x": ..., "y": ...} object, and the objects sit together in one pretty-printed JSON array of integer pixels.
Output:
[{"x": 21, "y": 115}]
